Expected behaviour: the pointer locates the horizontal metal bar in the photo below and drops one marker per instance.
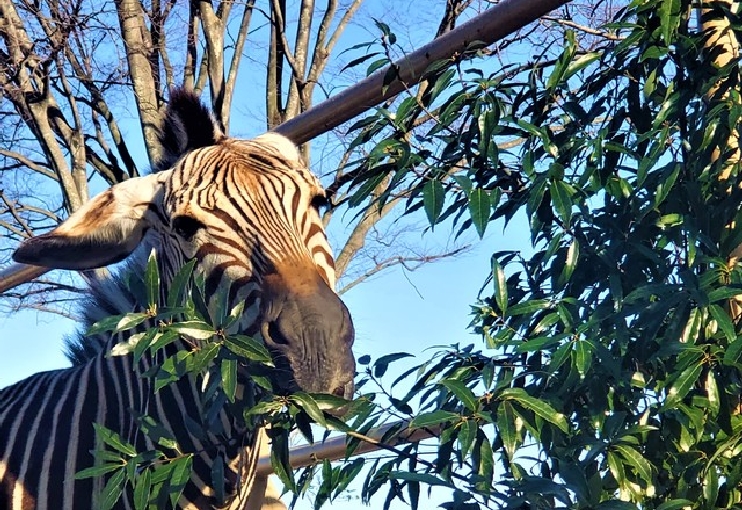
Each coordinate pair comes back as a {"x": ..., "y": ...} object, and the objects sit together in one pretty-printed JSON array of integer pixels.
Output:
[
  {"x": 492, "y": 25},
  {"x": 334, "y": 448},
  {"x": 495, "y": 23}
]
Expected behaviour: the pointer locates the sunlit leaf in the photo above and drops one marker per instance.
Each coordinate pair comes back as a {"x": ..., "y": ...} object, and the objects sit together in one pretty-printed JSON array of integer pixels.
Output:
[
  {"x": 682, "y": 385},
  {"x": 636, "y": 460},
  {"x": 434, "y": 418},
  {"x": 459, "y": 389},
  {"x": 541, "y": 408},
  {"x": 112, "y": 491},
  {"x": 506, "y": 427},
  {"x": 501, "y": 286}
]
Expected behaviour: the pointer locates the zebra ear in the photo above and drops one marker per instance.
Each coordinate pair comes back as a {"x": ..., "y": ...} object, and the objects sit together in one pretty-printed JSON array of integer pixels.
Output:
[
  {"x": 103, "y": 231},
  {"x": 187, "y": 125}
]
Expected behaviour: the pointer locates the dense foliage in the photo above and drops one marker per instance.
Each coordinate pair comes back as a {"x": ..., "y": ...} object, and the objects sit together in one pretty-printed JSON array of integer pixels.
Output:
[
  {"x": 611, "y": 367},
  {"x": 611, "y": 370}
]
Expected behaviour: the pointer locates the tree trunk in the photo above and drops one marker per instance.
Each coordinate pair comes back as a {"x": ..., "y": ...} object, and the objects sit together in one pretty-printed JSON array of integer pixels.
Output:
[{"x": 138, "y": 54}]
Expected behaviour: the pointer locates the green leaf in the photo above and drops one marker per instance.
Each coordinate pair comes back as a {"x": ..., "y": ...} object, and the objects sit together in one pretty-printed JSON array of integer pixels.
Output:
[
  {"x": 615, "y": 465},
  {"x": 95, "y": 471},
  {"x": 359, "y": 60},
  {"x": 229, "y": 378},
  {"x": 506, "y": 427},
  {"x": 486, "y": 466},
  {"x": 310, "y": 406},
  {"x": 152, "y": 281},
  {"x": 376, "y": 65},
  {"x": 382, "y": 364},
  {"x": 280, "y": 457},
  {"x": 132, "y": 343},
  {"x": 539, "y": 407},
  {"x": 178, "y": 286},
  {"x": 722, "y": 294},
  {"x": 464, "y": 394},
  {"x": 249, "y": 348},
  {"x": 112, "y": 491},
  {"x": 583, "y": 357},
  {"x": 724, "y": 321},
  {"x": 479, "y": 209},
  {"x": 433, "y": 197},
  {"x": 712, "y": 392},
  {"x": 348, "y": 473},
  {"x": 561, "y": 197},
  {"x": 144, "y": 343},
  {"x": 682, "y": 385},
  {"x": 663, "y": 187},
  {"x": 103, "y": 325},
  {"x": 427, "y": 478},
  {"x": 733, "y": 353},
  {"x": 195, "y": 329},
  {"x": 501, "y": 286},
  {"x": 441, "y": 83},
  {"x": 579, "y": 62},
  {"x": 235, "y": 314},
  {"x": 464, "y": 182},
  {"x": 636, "y": 460},
  {"x": 529, "y": 307},
  {"x": 675, "y": 504},
  {"x": 130, "y": 320},
  {"x": 616, "y": 505},
  {"x": 327, "y": 401},
  {"x": 467, "y": 435},
  {"x": 162, "y": 339},
  {"x": 573, "y": 255},
  {"x": 142, "y": 489},
  {"x": 434, "y": 418},
  {"x": 114, "y": 440},
  {"x": 203, "y": 358},
  {"x": 217, "y": 306},
  {"x": 180, "y": 474}
]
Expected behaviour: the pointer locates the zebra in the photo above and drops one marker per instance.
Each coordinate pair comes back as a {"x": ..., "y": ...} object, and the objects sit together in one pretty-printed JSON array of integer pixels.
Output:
[{"x": 247, "y": 213}]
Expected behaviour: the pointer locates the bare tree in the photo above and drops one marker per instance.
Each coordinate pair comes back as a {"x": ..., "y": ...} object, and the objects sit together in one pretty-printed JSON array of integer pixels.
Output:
[{"x": 69, "y": 69}]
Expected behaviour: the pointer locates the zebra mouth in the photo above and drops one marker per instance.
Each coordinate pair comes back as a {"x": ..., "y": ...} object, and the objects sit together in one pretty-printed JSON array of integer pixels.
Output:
[{"x": 311, "y": 360}]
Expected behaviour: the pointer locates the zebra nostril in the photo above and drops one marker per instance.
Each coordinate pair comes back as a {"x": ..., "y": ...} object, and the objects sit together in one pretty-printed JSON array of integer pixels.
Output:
[
  {"x": 339, "y": 391},
  {"x": 275, "y": 335}
]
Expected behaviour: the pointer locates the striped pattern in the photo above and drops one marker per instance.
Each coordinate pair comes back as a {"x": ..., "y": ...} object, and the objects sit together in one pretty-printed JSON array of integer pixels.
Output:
[{"x": 246, "y": 211}]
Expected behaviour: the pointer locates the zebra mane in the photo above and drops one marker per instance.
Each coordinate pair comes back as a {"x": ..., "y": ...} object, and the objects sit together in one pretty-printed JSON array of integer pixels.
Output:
[
  {"x": 187, "y": 125},
  {"x": 106, "y": 297}
]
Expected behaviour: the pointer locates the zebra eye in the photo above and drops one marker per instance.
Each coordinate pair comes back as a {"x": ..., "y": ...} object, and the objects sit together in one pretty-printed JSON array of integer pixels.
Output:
[
  {"x": 186, "y": 226},
  {"x": 320, "y": 201}
]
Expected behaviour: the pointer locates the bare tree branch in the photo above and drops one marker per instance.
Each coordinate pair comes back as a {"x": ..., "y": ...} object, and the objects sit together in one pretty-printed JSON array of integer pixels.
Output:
[{"x": 408, "y": 263}]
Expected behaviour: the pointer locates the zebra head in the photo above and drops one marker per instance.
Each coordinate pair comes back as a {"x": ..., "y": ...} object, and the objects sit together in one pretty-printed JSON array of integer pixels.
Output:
[{"x": 247, "y": 212}]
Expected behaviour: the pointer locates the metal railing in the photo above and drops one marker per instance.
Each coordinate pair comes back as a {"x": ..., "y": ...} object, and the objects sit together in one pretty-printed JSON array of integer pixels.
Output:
[
  {"x": 335, "y": 447},
  {"x": 492, "y": 25}
]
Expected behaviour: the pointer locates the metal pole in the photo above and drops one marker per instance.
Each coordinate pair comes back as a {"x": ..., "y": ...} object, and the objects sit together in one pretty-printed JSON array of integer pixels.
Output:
[
  {"x": 334, "y": 448},
  {"x": 495, "y": 23},
  {"x": 492, "y": 25}
]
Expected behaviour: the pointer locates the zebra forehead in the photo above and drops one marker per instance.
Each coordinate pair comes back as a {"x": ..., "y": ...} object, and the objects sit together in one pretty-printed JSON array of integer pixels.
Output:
[{"x": 244, "y": 162}]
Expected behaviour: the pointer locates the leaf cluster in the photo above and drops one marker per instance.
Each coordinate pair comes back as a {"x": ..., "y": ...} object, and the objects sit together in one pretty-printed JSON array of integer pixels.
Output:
[{"x": 611, "y": 375}]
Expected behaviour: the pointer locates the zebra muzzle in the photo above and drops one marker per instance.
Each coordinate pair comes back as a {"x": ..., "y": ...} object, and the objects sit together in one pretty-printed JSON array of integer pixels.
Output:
[{"x": 310, "y": 335}]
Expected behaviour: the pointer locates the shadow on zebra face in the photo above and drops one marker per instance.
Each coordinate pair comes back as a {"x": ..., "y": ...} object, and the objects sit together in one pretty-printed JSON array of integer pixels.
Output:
[{"x": 247, "y": 212}]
